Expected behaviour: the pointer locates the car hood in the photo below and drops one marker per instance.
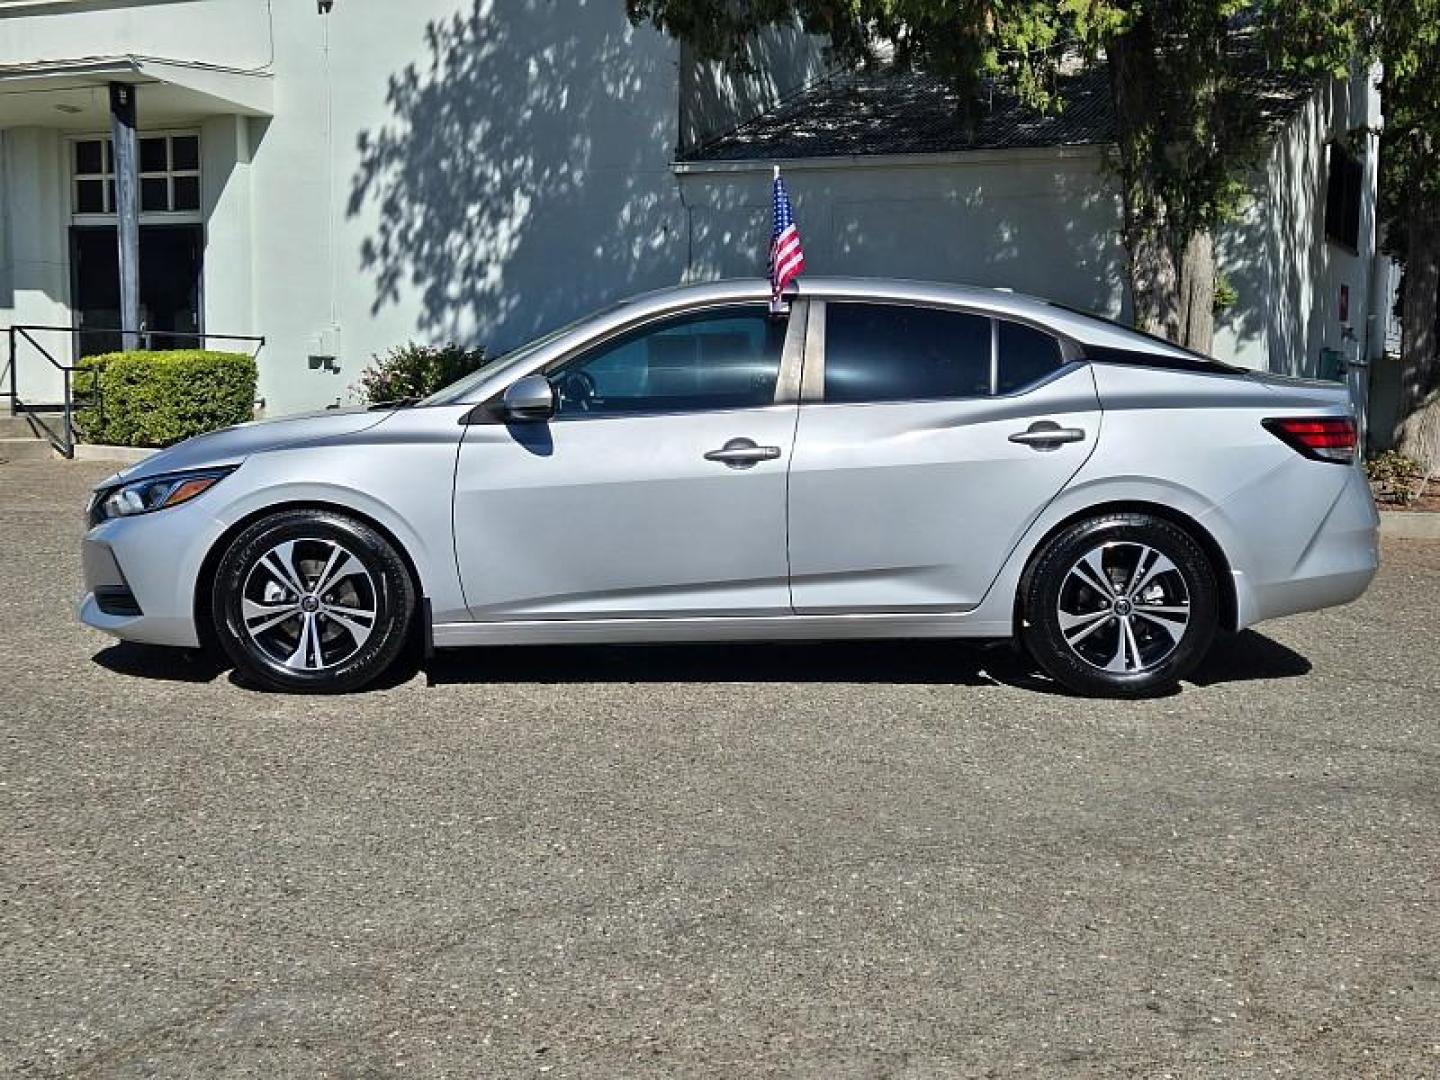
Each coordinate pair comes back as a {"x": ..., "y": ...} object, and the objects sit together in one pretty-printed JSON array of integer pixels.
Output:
[{"x": 230, "y": 446}]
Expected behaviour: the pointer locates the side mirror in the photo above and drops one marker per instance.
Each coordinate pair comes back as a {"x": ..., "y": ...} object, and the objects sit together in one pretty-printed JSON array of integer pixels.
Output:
[{"x": 530, "y": 398}]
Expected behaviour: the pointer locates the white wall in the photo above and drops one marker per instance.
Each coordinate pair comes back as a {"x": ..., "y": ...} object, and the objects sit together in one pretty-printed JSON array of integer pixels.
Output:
[
  {"x": 1287, "y": 273},
  {"x": 232, "y": 33},
  {"x": 440, "y": 170},
  {"x": 1042, "y": 222},
  {"x": 226, "y": 199},
  {"x": 34, "y": 251}
]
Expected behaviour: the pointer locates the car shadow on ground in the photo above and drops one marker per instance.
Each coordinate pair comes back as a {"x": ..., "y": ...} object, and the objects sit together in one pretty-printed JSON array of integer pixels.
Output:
[{"x": 1244, "y": 657}]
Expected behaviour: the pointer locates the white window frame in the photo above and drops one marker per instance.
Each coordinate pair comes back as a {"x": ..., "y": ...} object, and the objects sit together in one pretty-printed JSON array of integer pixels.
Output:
[{"x": 147, "y": 217}]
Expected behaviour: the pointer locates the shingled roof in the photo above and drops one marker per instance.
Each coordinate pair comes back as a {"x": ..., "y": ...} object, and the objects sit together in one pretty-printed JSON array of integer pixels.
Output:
[{"x": 889, "y": 111}]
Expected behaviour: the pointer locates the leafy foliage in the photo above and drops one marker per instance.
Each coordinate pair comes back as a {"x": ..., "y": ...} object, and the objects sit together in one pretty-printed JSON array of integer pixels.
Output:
[
  {"x": 160, "y": 398},
  {"x": 413, "y": 371},
  {"x": 1226, "y": 295},
  {"x": 1407, "y": 44},
  {"x": 1395, "y": 478},
  {"x": 1405, "y": 38}
]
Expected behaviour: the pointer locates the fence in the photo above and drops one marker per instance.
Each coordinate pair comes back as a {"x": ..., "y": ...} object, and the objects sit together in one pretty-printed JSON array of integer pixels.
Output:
[{"x": 21, "y": 342}]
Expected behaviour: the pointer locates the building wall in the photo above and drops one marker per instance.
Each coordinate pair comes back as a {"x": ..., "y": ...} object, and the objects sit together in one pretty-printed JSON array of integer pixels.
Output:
[
  {"x": 34, "y": 250},
  {"x": 1038, "y": 221},
  {"x": 231, "y": 33},
  {"x": 1287, "y": 273},
  {"x": 441, "y": 171},
  {"x": 436, "y": 170}
]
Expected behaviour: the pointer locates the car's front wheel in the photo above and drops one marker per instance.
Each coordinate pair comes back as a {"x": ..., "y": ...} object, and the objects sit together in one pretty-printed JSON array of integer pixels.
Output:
[
  {"x": 312, "y": 601},
  {"x": 1121, "y": 605}
]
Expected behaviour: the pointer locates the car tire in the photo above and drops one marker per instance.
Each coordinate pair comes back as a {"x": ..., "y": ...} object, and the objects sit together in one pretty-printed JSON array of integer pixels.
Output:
[
  {"x": 312, "y": 601},
  {"x": 1121, "y": 605}
]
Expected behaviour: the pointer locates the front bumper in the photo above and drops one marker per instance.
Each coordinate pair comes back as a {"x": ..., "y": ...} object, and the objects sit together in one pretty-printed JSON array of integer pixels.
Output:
[{"x": 141, "y": 572}]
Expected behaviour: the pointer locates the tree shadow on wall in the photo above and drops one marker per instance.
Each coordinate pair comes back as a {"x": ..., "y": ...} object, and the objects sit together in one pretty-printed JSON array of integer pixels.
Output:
[{"x": 523, "y": 178}]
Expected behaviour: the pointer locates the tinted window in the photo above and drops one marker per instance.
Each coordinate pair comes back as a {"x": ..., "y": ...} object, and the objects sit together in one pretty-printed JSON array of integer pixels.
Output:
[
  {"x": 726, "y": 359},
  {"x": 1342, "y": 197},
  {"x": 1027, "y": 355},
  {"x": 885, "y": 352},
  {"x": 154, "y": 155}
]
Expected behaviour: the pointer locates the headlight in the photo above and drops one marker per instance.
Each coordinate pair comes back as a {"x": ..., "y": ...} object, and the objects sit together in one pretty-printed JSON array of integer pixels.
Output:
[{"x": 153, "y": 493}]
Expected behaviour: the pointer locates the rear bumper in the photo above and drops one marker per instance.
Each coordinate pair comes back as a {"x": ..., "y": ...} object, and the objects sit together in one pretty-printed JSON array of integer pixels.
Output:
[{"x": 1335, "y": 567}]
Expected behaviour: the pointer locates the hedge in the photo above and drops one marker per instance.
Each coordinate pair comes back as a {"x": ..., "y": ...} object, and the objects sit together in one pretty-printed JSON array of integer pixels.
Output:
[{"x": 159, "y": 398}]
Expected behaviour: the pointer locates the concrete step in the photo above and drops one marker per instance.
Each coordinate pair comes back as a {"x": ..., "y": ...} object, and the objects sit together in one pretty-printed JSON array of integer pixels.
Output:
[
  {"x": 14, "y": 427},
  {"x": 31, "y": 449}
]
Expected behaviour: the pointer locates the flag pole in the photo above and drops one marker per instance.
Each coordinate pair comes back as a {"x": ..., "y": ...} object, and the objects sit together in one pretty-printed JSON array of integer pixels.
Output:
[{"x": 777, "y": 306}]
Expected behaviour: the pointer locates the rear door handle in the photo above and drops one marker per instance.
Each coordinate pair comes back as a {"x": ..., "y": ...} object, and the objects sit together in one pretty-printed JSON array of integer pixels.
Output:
[
  {"x": 1047, "y": 435},
  {"x": 743, "y": 453}
]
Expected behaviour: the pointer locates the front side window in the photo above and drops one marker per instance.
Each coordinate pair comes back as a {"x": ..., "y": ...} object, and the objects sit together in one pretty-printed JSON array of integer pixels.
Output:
[
  {"x": 891, "y": 352},
  {"x": 728, "y": 358}
]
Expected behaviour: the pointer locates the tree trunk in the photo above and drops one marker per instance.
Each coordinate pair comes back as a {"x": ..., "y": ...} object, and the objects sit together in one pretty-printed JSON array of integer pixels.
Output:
[
  {"x": 1172, "y": 278},
  {"x": 1418, "y": 434},
  {"x": 1197, "y": 293},
  {"x": 1174, "y": 297},
  {"x": 1154, "y": 283}
]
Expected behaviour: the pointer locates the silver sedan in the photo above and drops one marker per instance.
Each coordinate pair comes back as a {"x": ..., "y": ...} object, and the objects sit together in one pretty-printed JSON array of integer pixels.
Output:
[{"x": 885, "y": 459}]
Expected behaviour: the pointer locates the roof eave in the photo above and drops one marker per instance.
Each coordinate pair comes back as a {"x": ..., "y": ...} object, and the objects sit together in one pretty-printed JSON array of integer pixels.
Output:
[{"x": 928, "y": 159}]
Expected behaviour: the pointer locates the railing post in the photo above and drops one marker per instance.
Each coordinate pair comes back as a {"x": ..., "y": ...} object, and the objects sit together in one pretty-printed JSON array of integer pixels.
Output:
[
  {"x": 69, "y": 450},
  {"x": 14, "y": 375}
]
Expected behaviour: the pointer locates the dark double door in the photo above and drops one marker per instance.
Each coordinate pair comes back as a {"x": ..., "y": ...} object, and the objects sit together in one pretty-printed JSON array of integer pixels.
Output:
[{"x": 171, "y": 263}]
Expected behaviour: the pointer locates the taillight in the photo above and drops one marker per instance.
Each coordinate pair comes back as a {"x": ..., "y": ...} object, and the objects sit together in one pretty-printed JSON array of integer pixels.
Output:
[{"x": 1324, "y": 438}]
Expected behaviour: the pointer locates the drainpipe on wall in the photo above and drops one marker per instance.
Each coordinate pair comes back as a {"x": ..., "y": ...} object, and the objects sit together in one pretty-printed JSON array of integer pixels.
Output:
[{"x": 127, "y": 209}]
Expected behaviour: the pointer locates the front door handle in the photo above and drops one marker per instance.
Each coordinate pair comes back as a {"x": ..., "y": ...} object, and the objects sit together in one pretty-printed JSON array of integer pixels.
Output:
[
  {"x": 743, "y": 453},
  {"x": 1047, "y": 435}
]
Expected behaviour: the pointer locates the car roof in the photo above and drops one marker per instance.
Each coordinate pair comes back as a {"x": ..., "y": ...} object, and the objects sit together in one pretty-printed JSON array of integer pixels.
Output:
[{"x": 1084, "y": 328}]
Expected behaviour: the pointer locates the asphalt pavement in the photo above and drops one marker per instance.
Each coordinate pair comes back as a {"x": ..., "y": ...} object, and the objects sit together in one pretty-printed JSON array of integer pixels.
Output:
[{"x": 857, "y": 860}]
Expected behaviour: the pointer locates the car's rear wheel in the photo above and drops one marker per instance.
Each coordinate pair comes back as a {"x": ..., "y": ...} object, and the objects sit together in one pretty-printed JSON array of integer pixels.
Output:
[
  {"x": 1122, "y": 605},
  {"x": 312, "y": 601}
]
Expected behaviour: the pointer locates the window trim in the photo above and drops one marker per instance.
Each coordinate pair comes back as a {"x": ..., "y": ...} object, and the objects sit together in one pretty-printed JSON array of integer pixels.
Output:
[
  {"x": 147, "y": 217},
  {"x": 1072, "y": 354},
  {"x": 787, "y": 378}
]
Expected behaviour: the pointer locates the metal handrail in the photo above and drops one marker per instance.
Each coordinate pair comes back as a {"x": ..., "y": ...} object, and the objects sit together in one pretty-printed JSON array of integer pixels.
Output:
[{"x": 64, "y": 441}]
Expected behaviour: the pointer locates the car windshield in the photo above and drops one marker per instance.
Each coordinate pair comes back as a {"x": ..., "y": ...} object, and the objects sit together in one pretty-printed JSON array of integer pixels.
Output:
[{"x": 457, "y": 390}]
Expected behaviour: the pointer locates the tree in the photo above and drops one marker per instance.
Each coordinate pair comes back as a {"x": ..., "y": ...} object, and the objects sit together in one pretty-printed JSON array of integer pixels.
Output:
[
  {"x": 1407, "y": 44},
  {"x": 1402, "y": 37},
  {"x": 1187, "y": 127}
]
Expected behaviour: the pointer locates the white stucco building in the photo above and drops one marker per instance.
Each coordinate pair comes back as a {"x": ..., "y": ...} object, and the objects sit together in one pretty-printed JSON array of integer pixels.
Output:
[{"x": 344, "y": 177}]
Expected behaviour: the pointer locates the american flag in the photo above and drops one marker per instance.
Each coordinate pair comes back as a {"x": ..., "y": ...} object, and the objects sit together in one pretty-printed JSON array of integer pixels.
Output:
[{"x": 787, "y": 258}]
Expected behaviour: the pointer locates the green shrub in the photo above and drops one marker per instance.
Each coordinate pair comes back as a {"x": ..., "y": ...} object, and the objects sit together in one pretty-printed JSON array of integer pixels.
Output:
[
  {"x": 1395, "y": 478},
  {"x": 413, "y": 371},
  {"x": 1226, "y": 295},
  {"x": 159, "y": 398}
]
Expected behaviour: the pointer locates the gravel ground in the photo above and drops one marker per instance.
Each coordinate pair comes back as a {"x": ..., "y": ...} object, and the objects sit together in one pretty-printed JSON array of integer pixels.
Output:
[{"x": 899, "y": 860}]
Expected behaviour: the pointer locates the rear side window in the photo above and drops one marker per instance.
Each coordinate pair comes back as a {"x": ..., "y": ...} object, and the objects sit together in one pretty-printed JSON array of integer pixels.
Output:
[
  {"x": 1026, "y": 356},
  {"x": 889, "y": 352}
]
